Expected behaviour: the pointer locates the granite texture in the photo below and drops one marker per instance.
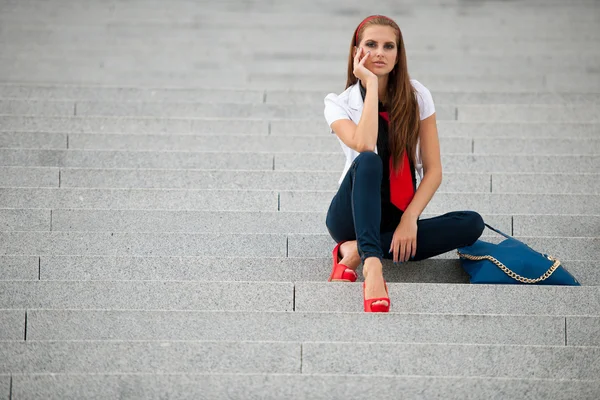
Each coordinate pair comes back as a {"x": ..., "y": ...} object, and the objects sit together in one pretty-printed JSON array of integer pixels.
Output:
[
  {"x": 546, "y": 183},
  {"x": 58, "y": 92},
  {"x": 583, "y": 331},
  {"x": 295, "y": 386},
  {"x": 528, "y": 113},
  {"x": 135, "y": 159},
  {"x": 434, "y": 360},
  {"x": 557, "y": 225},
  {"x": 292, "y": 326},
  {"x": 565, "y": 146},
  {"x": 19, "y": 268},
  {"x": 149, "y": 357},
  {"x": 115, "y": 295},
  {"x": 436, "y": 298},
  {"x": 35, "y": 107},
  {"x": 12, "y": 324},
  {"x": 28, "y": 177},
  {"x": 5, "y": 387},
  {"x": 158, "y": 199},
  {"x": 65, "y": 268},
  {"x": 198, "y": 110},
  {"x": 37, "y": 140},
  {"x": 94, "y": 125},
  {"x": 213, "y": 142},
  {"x": 141, "y": 244},
  {"x": 24, "y": 220},
  {"x": 244, "y": 180}
]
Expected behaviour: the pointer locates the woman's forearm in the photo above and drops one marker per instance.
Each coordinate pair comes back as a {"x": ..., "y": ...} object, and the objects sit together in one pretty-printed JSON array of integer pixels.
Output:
[
  {"x": 365, "y": 135},
  {"x": 429, "y": 185}
]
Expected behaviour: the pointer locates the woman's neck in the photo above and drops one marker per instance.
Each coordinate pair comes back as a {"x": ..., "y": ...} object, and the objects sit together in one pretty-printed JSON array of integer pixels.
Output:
[{"x": 381, "y": 88}]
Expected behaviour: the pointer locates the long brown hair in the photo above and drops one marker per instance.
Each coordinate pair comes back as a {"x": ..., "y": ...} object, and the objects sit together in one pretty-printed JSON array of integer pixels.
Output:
[{"x": 403, "y": 108}]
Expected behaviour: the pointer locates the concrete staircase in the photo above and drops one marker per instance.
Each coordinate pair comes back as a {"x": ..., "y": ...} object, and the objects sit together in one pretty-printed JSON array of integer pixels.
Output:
[{"x": 165, "y": 170}]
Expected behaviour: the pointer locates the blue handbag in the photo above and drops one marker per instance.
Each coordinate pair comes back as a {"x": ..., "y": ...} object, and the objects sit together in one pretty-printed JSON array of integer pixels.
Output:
[{"x": 512, "y": 262}]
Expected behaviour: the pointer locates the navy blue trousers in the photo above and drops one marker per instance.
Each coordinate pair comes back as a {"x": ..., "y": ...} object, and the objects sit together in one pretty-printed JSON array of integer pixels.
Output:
[{"x": 355, "y": 213}]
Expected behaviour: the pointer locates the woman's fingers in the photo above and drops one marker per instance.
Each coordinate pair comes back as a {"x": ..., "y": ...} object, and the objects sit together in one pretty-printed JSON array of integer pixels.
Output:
[
  {"x": 414, "y": 248},
  {"x": 402, "y": 250},
  {"x": 408, "y": 251}
]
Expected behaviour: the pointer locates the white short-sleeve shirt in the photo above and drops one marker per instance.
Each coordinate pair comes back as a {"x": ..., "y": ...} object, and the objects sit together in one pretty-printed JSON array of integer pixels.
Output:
[{"x": 349, "y": 105}]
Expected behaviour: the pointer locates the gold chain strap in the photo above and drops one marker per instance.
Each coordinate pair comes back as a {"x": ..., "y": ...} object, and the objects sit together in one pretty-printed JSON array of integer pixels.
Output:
[{"x": 512, "y": 274}]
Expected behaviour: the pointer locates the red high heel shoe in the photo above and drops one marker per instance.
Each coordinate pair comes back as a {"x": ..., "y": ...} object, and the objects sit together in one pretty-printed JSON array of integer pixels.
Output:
[
  {"x": 340, "y": 272},
  {"x": 370, "y": 307}
]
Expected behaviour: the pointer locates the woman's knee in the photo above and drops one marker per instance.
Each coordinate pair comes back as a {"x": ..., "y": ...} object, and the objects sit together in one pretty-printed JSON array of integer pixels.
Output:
[
  {"x": 369, "y": 161},
  {"x": 474, "y": 225}
]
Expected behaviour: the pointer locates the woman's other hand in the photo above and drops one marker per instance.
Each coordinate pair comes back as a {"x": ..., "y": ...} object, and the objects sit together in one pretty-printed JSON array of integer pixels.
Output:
[
  {"x": 360, "y": 71},
  {"x": 404, "y": 241}
]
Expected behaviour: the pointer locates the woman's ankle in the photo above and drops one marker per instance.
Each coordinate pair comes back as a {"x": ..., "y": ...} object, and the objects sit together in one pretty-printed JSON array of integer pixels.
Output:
[{"x": 372, "y": 265}]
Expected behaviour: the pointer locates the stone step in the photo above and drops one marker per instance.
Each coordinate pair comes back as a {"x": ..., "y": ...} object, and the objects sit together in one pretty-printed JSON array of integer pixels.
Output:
[
  {"x": 293, "y": 161},
  {"x": 293, "y": 386},
  {"x": 501, "y": 361},
  {"x": 145, "y": 126},
  {"x": 326, "y": 297},
  {"x": 66, "y": 268},
  {"x": 20, "y": 243},
  {"x": 288, "y": 180},
  {"x": 302, "y": 326},
  {"x": 248, "y": 222},
  {"x": 261, "y": 200},
  {"x": 37, "y": 107},
  {"x": 257, "y": 222},
  {"x": 202, "y": 95}
]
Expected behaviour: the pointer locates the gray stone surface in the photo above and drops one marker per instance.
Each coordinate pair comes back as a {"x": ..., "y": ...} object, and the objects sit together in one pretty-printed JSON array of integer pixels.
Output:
[
  {"x": 207, "y": 221},
  {"x": 294, "y": 386},
  {"x": 557, "y": 225},
  {"x": 426, "y": 298},
  {"x": 137, "y": 159},
  {"x": 161, "y": 199},
  {"x": 584, "y": 146},
  {"x": 453, "y": 162},
  {"x": 12, "y": 324},
  {"x": 245, "y": 180},
  {"x": 57, "y": 92},
  {"x": 37, "y": 140},
  {"x": 199, "y": 110},
  {"x": 149, "y": 357},
  {"x": 292, "y": 326},
  {"x": 114, "y": 295},
  {"x": 546, "y": 183},
  {"x": 24, "y": 220},
  {"x": 427, "y": 359},
  {"x": 19, "y": 268},
  {"x": 141, "y": 244},
  {"x": 34, "y": 107},
  {"x": 5, "y": 387},
  {"x": 563, "y": 248},
  {"x": 528, "y": 113},
  {"x": 583, "y": 331},
  {"x": 28, "y": 177},
  {"x": 65, "y": 268}
]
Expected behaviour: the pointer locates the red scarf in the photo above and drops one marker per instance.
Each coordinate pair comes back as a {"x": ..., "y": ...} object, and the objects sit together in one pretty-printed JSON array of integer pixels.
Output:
[{"x": 402, "y": 188}]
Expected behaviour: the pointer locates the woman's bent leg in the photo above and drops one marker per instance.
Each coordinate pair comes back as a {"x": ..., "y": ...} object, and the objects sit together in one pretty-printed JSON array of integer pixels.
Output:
[
  {"x": 355, "y": 211},
  {"x": 442, "y": 234}
]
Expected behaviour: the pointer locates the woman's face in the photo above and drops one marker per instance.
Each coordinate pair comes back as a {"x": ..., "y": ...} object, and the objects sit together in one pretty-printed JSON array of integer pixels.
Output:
[{"x": 381, "y": 42}]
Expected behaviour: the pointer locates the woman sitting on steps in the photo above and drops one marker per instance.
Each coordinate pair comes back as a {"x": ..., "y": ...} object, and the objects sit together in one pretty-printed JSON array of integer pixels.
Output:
[{"x": 386, "y": 125}]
